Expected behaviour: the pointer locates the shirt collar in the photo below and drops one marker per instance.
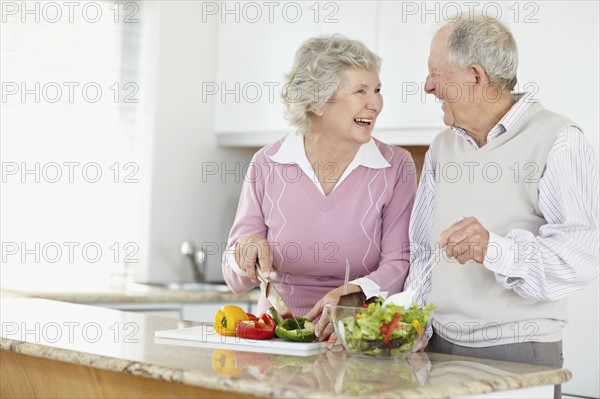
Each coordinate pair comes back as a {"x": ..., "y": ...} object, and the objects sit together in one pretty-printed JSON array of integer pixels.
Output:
[
  {"x": 523, "y": 101},
  {"x": 292, "y": 152}
]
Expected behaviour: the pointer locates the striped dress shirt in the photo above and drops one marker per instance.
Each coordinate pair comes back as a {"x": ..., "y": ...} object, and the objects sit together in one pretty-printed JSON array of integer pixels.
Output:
[{"x": 564, "y": 256}]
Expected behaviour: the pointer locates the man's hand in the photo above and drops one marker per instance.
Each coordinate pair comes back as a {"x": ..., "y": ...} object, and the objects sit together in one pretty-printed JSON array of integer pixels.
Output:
[
  {"x": 248, "y": 250},
  {"x": 323, "y": 328},
  {"x": 465, "y": 240}
]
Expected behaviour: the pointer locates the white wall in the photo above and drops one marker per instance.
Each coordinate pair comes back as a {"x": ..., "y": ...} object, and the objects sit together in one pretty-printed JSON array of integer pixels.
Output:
[
  {"x": 183, "y": 206},
  {"x": 558, "y": 58}
]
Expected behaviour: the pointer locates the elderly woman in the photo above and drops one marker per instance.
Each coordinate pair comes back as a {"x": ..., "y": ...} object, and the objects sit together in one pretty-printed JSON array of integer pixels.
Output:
[{"x": 326, "y": 193}]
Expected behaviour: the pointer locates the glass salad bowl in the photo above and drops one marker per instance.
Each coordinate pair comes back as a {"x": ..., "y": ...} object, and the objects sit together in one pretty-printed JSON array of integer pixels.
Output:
[{"x": 379, "y": 330}]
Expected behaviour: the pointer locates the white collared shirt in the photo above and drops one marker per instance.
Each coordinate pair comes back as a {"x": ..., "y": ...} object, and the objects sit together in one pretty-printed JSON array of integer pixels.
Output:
[{"x": 292, "y": 152}]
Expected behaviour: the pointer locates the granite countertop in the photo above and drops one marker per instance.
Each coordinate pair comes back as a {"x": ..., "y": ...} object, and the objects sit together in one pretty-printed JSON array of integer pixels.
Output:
[
  {"x": 124, "y": 342},
  {"x": 128, "y": 293}
]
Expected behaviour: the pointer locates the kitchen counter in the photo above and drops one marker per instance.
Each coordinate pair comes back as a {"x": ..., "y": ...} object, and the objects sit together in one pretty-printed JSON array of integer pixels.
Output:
[
  {"x": 80, "y": 350},
  {"x": 126, "y": 293}
]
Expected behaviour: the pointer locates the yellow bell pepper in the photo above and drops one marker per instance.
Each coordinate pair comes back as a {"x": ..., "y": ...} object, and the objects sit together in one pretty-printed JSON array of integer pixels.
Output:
[
  {"x": 418, "y": 327},
  {"x": 224, "y": 362},
  {"x": 227, "y": 318}
]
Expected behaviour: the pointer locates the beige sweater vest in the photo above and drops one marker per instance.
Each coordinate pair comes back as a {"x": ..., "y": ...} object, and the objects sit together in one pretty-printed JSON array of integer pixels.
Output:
[{"x": 497, "y": 184}]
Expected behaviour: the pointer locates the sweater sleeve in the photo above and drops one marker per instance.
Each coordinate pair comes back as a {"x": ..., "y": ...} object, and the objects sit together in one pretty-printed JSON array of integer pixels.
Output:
[
  {"x": 248, "y": 219},
  {"x": 395, "y": 248}
]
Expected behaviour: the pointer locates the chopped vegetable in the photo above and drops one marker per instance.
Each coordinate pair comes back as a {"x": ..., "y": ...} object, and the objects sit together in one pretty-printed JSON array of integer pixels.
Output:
[
  {"x": 273, "y": 313},
  {"x": 288, "y": 330},
  {"x": 259, "y": 328},
  {"x": 251, "y": 317},
  {"x": 390, "y": 330},
  {"x": 226, "y": 319},
  {"x": 393, "y": 324},
  {"x": 418, "y": 327}
]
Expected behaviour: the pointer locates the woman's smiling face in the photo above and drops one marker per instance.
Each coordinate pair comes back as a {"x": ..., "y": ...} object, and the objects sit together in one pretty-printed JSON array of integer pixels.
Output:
[{"x": 350, "y": 114}]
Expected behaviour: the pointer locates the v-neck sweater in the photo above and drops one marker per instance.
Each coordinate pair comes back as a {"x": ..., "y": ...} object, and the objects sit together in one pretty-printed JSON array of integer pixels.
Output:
[{"x": 364, "y": 220}]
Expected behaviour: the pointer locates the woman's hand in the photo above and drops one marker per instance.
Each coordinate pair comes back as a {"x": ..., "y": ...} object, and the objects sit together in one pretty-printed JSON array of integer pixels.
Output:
[
  {"x": 323, "y": 328},
  {"x": 252, "y": 248},
  {"x": 422, "y": 344}
]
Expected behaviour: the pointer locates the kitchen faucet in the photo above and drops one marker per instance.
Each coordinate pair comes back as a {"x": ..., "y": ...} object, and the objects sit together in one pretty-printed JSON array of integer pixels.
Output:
[{"x": 197, "y": 259}]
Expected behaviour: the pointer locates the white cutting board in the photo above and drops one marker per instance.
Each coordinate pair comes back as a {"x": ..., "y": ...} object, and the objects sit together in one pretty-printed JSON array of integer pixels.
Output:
[{"x": 204, "y": 336}]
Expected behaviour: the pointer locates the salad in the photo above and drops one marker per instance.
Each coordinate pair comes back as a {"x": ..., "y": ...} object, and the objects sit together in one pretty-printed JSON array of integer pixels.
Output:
[{"x": 384, "y": 330}]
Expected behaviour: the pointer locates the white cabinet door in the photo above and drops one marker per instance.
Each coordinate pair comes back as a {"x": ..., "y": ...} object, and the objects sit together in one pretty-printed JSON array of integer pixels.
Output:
[
  {"x": 581, "y": 348},
  {"x": 404, "y": 45},
  {"x": 254, "y": 54},
  {"x": 354, "y": 19},
  {"x": 252, "y": 58}
]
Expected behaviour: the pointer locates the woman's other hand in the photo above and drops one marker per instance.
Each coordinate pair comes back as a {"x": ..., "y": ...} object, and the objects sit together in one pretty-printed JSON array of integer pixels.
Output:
[
  {"x": 323, "y": 328},
  {"x": 251, "y": 248},
  {"x": 422, "y": 344}
]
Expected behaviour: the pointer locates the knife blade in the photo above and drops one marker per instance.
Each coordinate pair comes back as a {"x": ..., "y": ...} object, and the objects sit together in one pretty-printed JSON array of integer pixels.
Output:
[{"x": 274, "y": 297}]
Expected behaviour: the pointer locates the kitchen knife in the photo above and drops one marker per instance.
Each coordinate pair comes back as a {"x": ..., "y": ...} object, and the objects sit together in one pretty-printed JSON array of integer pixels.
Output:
[{"x": 274, "y": 297}]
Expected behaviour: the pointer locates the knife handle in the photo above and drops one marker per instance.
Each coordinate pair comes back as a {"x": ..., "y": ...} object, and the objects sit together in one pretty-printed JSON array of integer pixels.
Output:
[{"x": 259, "y": 274}]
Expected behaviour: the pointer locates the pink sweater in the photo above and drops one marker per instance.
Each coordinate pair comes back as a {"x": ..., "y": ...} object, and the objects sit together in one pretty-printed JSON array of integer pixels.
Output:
[{"x": 364, "y": 219}]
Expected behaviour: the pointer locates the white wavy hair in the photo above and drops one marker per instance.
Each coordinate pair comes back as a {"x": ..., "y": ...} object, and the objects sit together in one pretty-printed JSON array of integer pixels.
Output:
[
  {"x": 487, "y": 42},
  {"x": 316, "y": 74}
]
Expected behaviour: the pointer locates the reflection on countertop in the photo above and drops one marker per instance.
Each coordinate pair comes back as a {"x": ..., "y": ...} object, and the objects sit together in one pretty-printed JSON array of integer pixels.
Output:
[
  {"x": 123, "y": 342},
  {"x": 330, "y": 371}
]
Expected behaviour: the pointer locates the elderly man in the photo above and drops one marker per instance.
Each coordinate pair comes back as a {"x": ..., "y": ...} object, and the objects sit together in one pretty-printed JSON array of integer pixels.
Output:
[{"x": 507, "y": 206}]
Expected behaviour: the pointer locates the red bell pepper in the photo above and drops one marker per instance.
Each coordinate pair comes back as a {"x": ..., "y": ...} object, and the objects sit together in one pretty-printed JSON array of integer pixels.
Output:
[
  {"x": 261, "y": 328},
  {"x": 251, "y": 317},
  {"x": 388, "y": 334},
  {"x": 384, "y": 329}
]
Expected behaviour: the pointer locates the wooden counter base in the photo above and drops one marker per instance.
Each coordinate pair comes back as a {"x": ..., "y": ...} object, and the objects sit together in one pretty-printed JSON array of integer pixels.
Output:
[{"x": 24, "y": 376}]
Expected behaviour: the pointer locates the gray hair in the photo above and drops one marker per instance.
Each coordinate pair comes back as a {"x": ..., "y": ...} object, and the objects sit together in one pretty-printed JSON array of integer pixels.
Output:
[
  {"x": 487, "y": 42},
  {"x": 316, "y": 74}
]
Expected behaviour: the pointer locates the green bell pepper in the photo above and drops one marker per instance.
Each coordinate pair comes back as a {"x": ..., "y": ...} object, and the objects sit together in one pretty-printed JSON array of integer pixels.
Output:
[{"x": 288, "y": 330}]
